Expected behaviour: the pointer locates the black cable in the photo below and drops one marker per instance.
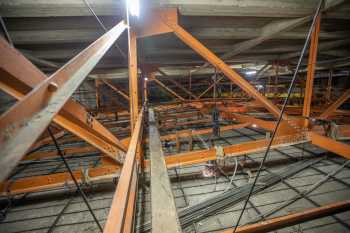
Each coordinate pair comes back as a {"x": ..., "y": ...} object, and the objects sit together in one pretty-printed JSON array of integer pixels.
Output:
[
  {"x": 8, "y": 37},
  {"x": 103, "y": 26},
  {"x": 74, "y": 180},
  {"x": 282, "y": 111}
]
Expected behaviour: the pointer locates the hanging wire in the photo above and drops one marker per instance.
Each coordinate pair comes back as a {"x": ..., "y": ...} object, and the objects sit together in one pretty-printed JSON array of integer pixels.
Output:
[
  {"x": 8, "y": 37},
  {"x": 103, "y": 26},
  {"x": 74, "y": 179},
  {"x": 282, "y": 111}
]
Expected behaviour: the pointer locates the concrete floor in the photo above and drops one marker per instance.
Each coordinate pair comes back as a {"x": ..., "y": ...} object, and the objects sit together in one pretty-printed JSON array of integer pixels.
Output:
[{"x": 37, "y": 211}]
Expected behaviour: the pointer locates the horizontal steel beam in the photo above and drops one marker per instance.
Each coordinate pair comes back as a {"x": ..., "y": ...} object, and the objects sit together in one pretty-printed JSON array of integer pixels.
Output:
[
  {"x": 330, "y": 144},
  {"x": 45, "y": 182},
  {"x": 285, "y": 128},
  {"x": 56, "y": 180},
  {"x": 190, "y": 133},
  {"x": 294, "y": 218},
  {"x": 243, "y": 148}
]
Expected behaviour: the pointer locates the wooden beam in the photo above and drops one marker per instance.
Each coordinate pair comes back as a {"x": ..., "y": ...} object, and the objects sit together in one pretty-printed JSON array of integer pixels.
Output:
[{"x": 163, "y": 219}]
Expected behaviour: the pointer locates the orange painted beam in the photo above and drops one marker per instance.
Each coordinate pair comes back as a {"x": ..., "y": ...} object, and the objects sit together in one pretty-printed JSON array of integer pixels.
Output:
[
  {"x": 168, "y": 125},
  {"x": 333, "y": 107},
  {"x": 72, "y": 117},
  {"x": 200, "y": 156},
  {"x": 188, "y": 133},
  {"x": 46, "y": 139},
  {"x": 330, "y": 144},
  {"x": 116, "y": 89},
  {"x": 109, "y": 169},
  {"x": 177, "y": 84},
  {"x": 285, "y": 127},
  {"x": 210, "y": 87},
  {"x": 294, "y": 218},
  {"x": 161, "y": 84},
  {"x": 311, "y": 70},
  {"x": 151, "y": 25},
  {"x": 89, "y": 149},
  {"x": 188, "y": 39},
  {"x": 24, "y": 122},
  {"x": 66, "y": 151},
  {"x": 116, "y": 218},
  {"x": 38, "y": 183},
  {"x": 133, "y": 78},
  {"x": 38, "y": 155}
]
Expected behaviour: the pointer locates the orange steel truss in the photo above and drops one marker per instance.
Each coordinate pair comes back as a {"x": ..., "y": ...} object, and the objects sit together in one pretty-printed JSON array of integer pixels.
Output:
[
  {"x": 49, "y": 100},
  {"x": 24, "y": 123}
]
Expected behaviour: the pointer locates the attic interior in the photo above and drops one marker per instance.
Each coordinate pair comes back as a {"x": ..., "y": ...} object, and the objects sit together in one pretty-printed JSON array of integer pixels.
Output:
[{"x": 174, "y": 116}]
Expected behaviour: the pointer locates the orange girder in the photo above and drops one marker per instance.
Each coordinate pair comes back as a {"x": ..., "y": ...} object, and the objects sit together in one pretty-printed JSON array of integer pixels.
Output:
[
  {"x": 153, "y": 78},
  {"x": 188, "y": 39},
  {"x": 116, "y": 217},
  {"x": 133, "y": 77},
  {"x": 28, "y": 118},
  {"x": 330, "y": 144},
  {"x": 311, "y": 69},
  {"x": 276, "y": 223},
  {"x": 333, "y": 107}
]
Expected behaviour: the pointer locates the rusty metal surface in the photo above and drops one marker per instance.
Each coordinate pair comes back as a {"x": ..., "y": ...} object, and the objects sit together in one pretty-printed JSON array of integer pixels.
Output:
[{"x": 24, "y": 122}]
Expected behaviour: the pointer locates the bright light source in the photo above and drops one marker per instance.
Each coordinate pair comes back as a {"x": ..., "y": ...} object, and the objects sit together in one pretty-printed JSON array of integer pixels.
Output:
[
  {"x": 250, "y": 72},
  {"x": 254, "y": 126},
  {"x": 134, "y": 7},
  {"x": 259, "y": 86},
  {"x": 146, "y": 79}
]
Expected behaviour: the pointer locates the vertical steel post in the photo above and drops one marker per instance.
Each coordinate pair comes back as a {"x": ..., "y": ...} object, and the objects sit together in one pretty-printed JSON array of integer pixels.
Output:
[
  {"x": 311, "y": 70},
  {"x": 133, "y": 78}
]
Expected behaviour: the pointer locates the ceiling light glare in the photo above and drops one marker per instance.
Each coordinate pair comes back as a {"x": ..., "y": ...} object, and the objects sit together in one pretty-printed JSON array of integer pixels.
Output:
[
  {"x": 250, "y": 72},
  {"x": 134, "y": 7}
]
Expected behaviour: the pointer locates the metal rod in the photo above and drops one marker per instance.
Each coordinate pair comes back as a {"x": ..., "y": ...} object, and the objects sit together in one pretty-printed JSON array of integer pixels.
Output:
[
  {"x": 74, "y": 180},
  {"x": 52, "y": 227},
  {"x": 302, "y": 194},
  {"x": 6, "y": 31},
  {"x": 103, "y": 26},
  {"x": 281, "y": 113}
]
